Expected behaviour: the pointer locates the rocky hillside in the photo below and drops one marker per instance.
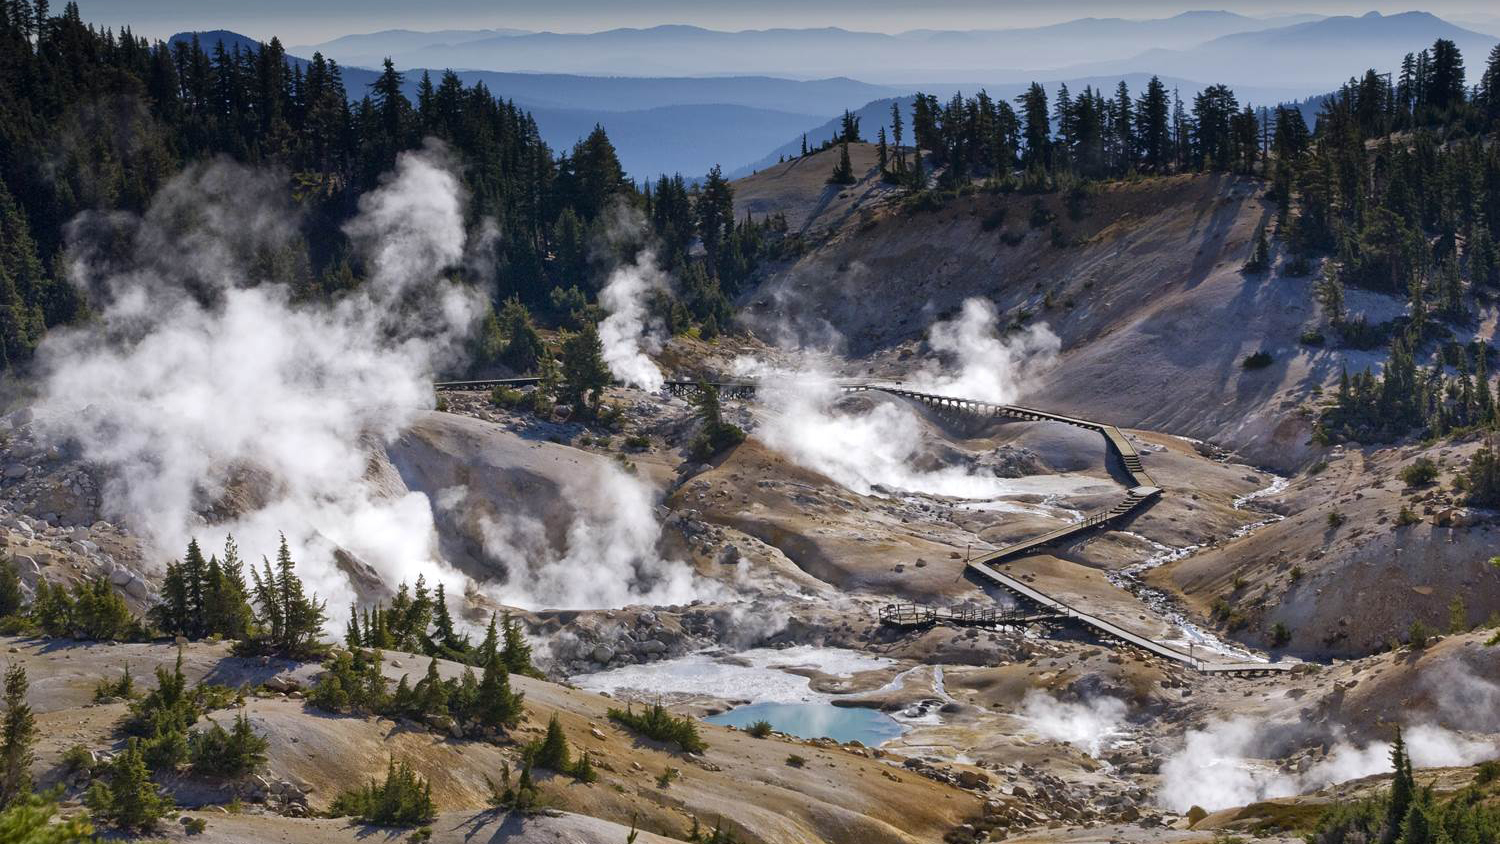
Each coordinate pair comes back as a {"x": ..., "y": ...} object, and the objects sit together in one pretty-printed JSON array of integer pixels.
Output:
[{"x": 1143, "y": 283}]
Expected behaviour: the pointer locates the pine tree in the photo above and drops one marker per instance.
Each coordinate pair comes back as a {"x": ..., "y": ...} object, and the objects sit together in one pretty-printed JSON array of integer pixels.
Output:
[
  {"x": 431, "y": 693},
  {"x": 129, "y": 801},
  {"x": 489, "y": 648},
  {"x": 714, "y": 215},
  {"x": 896, "y": 129},
  {"x": 1403, "y": 789},
  {"x": 516, "y": 653},
  {"x": 11, "y": 597},
  {"x": 553, "y": 752},
  {"x": 17, "y": 738},
  {"x": 881, "y": 153},
  {"x": 843, "y": 172},
  {"x": 289, "y": 621},
  {"x": 585, "y": 374},
  {"x": 498, "y": 706}
]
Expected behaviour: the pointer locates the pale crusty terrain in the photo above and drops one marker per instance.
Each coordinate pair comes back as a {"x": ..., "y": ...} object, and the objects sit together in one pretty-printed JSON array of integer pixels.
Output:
[{"x": 841, "y": 795}]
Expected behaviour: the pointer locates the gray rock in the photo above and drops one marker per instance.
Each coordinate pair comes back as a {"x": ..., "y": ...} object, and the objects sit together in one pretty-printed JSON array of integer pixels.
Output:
[
  {"x": 15, "y": 471},
  {"x": 603, "y": 654},
  {"x": 651, "y": 646}
]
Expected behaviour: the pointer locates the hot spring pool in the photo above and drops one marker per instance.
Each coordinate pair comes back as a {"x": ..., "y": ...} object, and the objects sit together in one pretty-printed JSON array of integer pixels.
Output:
[{"x": 815, "y": 720}]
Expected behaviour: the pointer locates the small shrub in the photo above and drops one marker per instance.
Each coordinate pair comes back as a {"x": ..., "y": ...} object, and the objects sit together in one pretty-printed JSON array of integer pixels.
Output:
[
  {"x": 656, "y": 723},
  {"x": 121, "y": 689},
  {"x": 760, "y": 729},
  {"x": 1318, "y": 468},
  {"x": 503, "y": 396},
  {"x": 1407, "y": 517},
  {"x": 667, "y": 777},
  {"x": 1297, "y": 573},
  {"x": 583, "y": 769},
  {"x": 77, "y": 758},
  {"x": 1487, "y": 772},
  {"x": 1259, "y": 360},
  {"x": 638, "y": 442},
  {"x": 404, "y": 799},
  {"x": 1336, "y": 519},
  {"x": 1418, "y": 635},
  {"x": 1419, "y": 472},
  {"x": 795, "y": 761},
  {"x": 442, "y": 404},
  {"x": 228, "y": 754},
  {"x": 194, "y": 826},
  {"x": 1312, "y": 337},
  {"x": 1280, "y": 635},
  {"x": 993, "y": 220}
]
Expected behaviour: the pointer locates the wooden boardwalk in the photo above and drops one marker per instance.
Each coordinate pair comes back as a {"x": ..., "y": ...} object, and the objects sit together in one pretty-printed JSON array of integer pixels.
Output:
[
  {"x": 1039, "y": 606},
  {"x": 918, "y": 616}
]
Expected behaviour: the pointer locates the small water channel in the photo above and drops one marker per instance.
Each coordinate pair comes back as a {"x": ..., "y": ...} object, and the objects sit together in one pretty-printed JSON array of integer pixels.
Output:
[{"x": 1195, "y": 638}]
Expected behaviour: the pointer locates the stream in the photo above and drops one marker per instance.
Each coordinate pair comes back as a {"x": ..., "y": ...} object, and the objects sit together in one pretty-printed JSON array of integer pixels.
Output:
[{"x": 1194, "y": 637}]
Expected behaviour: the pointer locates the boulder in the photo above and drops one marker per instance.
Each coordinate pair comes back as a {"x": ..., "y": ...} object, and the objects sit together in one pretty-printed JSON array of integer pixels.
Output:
[
  {"x": 603, "y": 654},
  {"x": 283, "y": 683},
  {"x": 973, "y": 779}
]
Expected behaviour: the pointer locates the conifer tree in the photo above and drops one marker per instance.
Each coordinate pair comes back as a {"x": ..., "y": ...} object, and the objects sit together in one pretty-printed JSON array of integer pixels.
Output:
[
  {"x": 498, "y": 706},
  {"x": 129, "y": 801},
  {"x": 516, "y": 653},
  {"x": 585, "y": 374},
  {"x": 553, "y": 752},
  {"x": 17, "y": 738},
  {"x": 11, "y": 597},
  {"x": 896, "y": 136},
  {"x": 289, "y": 621},
  {"x": 843, "y": 172},
  {"x": 1403, "y": 789}
]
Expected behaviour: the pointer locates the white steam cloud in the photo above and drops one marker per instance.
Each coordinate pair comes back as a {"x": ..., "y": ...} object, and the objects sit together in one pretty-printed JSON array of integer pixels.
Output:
[
  {"x": 987, "y": 365},
  {"x": 198, "y": 392},
  {"x": 1090, "y": 725},
  {"x": 1217, "y": 768},
  {"x": 629, "y": 334},
  {"x": 607, "y": 558},
  {"x": 884, "y": 444}
]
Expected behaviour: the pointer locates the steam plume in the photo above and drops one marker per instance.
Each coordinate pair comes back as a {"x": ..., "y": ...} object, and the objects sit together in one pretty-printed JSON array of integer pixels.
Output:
[
  {"x": 1217, "y": 768},
  {"x": 197, "y": 390},
  {"x": 629, "y": 333},
  {"x": 1089, "y": 725},
  {"x": 986, "y": 365},
  {"x": 608, "y": 557}
]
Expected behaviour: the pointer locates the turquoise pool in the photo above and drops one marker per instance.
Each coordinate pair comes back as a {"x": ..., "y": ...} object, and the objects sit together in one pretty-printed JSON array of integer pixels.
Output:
[{"x": 815, "y": 720}]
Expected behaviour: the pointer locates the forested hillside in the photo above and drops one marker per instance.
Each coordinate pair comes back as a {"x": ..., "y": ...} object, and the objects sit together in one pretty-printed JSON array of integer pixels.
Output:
[{"x": 97, "y": 120}]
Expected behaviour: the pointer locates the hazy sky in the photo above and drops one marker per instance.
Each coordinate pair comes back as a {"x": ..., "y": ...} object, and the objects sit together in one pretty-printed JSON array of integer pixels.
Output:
[{"x": 311, "y": 21}]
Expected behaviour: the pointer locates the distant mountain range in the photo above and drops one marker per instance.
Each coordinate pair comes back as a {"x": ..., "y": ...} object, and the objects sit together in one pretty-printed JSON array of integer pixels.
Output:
[
  {"x": 657, "y": 125},
  {"x": 684, "y": 123},
  {"x": 1315, "y": 56},
  {"x": 918, "y": 55}
]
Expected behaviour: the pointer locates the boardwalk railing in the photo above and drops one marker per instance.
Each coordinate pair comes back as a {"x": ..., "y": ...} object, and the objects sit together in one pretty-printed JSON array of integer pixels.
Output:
[{"x": 917, "y": 615}]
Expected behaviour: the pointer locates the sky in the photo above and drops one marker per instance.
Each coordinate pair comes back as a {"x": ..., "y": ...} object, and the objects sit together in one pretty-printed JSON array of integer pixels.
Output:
[{"x": 299, "y": 22}]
